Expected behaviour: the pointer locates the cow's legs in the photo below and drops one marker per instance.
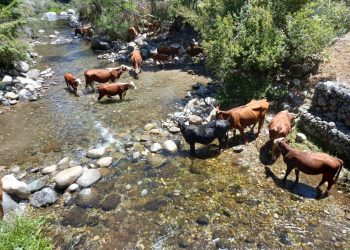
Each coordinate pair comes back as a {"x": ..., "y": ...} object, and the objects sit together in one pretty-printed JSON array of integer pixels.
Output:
[
  {"x": 100, "y": 96},
  {"x": 289, "y": 169},
  {"x": 124, "y": 94},
  {"x": 193, "y": 149},
  {"x": 241, "y": 131},
  {"x": 121, "y": 96},
  {"x": 330, "y": 181},
  {"x": 324, "y": 179},
  {"x": 296, "y": 176},
  {"x": 261, "y": 123}
]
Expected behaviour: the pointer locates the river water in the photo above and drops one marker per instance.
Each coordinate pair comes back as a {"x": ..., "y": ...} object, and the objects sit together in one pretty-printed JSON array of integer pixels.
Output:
[{"x": 215, "y": 201}]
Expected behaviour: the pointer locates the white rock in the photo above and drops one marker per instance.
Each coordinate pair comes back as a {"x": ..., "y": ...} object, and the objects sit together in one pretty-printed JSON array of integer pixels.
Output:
[
  {"x": 73, "y": 163},
  {"x": 14, "y": 187},
  {"x": 128, "y": 187},
  {"x": 49, "y": 169},
  {"x": 7, "y": 79},
  {"x": 50, "y": 16},
  {"x": 174, "y": 130},
  {"x": 41, "y": 31},
  {"x": 104, "y": 162},
  {"x": 67, "y": 177},
  {"x": 21, "y": 66},
  {"x": 52, "y": 36},
  {"x": 170, "y": 146},
  {"x": 85, "y": 192},
  {"x": 24, "y": 95},
  {"x": 144, "y": 192},
  {"x": 72, "y": 188},
  {"x": 63, "y": 163},
  {"x": 46, "y": 71},
  {"x": 11, "y": 96},
  {"x": 71, "y": 11},
  {"x": 192, "y": 103},
  {"x": 194, "y": 119},
  {"x": 136, "y": 156},
  {"x": 300, "y": 137},
  {"x": 89, "y": 177},
  {"x": 155, "y": 147},
  {"x": 149, "y": 126},
  {"x": 95, "y": 153}
]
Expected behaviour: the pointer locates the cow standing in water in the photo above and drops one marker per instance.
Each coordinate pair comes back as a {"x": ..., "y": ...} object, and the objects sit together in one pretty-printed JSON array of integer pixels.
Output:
[
  {"x": 102, "y": 75},
  {"x": 72, "y": 82},
  {"x": 309, "y": 163},
  {"x": 244, "y": 116},
  {"x": 136, "y": 61},
  {"x": 112, "y": 89}
]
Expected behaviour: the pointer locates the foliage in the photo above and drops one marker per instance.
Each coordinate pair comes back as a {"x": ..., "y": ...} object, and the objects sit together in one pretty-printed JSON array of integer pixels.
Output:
[
  {"x": 10, "y": 49},
  {"x": 243, "y": 39},
  {"x": 24, "y": 233},
  {"x": 108, "y": 16}
]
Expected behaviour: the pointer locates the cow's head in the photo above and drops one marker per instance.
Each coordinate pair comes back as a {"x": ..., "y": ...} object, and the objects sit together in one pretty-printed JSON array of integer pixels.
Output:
[
  {"x": 78, "y": 81},
  {"x": 278, "y": 146},
  {"x": 137, "y": 72}
]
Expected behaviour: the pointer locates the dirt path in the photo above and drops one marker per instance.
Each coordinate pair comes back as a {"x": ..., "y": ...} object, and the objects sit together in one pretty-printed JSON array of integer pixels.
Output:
[{"x": 337, "y": 63}]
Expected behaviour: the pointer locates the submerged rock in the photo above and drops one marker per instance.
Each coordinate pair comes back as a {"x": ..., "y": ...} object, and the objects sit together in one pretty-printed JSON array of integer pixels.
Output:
[
  {"x": 104, "y": 162},
  {"x": 155, "y": 147},
  {"x": 203, "y": 220},
  {"x": 95, "y": 153}
]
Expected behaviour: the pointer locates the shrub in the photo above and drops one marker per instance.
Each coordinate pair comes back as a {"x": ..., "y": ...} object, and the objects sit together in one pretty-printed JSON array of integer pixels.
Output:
[
  {"x": 11, "y": 50},
  {"x": 24, "y": 233}
]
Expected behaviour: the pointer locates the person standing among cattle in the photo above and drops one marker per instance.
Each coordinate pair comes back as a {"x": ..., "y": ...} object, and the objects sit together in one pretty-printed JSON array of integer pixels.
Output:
[{"x": 310, "y": 163}]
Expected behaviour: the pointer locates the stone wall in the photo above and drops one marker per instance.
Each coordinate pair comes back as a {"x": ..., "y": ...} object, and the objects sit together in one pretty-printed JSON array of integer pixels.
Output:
[{"x": 328, "y": 118}]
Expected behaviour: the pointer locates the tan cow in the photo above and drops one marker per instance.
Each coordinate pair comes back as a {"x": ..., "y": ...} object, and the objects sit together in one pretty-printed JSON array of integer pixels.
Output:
[
  {"x": 136, "y": 61},
  {"x": 246, "y": 115},
  {"x": 112, "y": 89}
]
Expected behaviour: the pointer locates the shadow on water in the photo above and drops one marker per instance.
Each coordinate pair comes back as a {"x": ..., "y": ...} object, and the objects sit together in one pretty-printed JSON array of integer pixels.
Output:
[{"x": 300, "y": 189}]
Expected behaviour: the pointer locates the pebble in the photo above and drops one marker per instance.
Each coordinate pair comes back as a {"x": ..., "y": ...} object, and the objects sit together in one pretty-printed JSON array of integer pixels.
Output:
[
  {"x": 144, "y": 192},
  {"x": 155, "y": 147},
  {"x": 104, "y": 162},
  {"x": 149, "y": 126},
  {"x": 203, "y": 220},
  {"x": 73, "y": 187},
  {"x": 128, "y": 187},
  {"x": 300, "y": 137}
]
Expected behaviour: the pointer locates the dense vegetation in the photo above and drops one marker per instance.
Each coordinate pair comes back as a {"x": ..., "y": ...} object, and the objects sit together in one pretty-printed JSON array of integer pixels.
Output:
[
  {"x": 247, "y": 43},
  {"x": 24, "y": 233},
  {"x": 11, "y": 49}
]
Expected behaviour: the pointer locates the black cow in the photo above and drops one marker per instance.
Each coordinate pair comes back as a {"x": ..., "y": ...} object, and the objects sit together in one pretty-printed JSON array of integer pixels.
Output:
[{"x": 206, "y": 133}]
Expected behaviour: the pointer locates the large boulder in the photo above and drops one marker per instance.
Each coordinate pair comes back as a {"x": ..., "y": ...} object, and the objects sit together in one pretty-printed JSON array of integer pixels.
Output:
[
  {"x": 24, "y": 95},
  {"x": 33, "y": 74},
  {"x": 50, "y": 16},
  {"x": 89, "y": 177},
  {"x": 11, "y": 96},
  {"x": 7, "y": 79},
  {"x": 194, "y": 119},
  {"x": 21, "y": 66},
  {"x": 68, "y": 176},
  {"x": 43, "y": 197},
  {"x": 8, "y": 204},
  {"x": 170, "y": 146},
  {"x": 15, "y": 187},
  {"x": 100, "y": 43}
]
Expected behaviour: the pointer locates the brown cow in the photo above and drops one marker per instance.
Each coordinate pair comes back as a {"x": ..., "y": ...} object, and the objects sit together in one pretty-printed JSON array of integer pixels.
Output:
[
  {"x": 133, "y": 32},
  {"x": 280, "y": 125},
  {"x": 160, "y": 57},
  {"x": 114, "y": 89},
  {"x": 1, "y": 194},
  {"x": 310, "y": 163},
  {"x": 170, "y": 51},
  {"x": 246, "y": 115},
  {"x": 85, "y": 31},
  {"x": 72, "y": 81},
  {"x": 151, "y": 26},
  {"x": 193, "y": 49},
  {"x": 102, "y": 75},
  {"x": 136, "y": 61}
]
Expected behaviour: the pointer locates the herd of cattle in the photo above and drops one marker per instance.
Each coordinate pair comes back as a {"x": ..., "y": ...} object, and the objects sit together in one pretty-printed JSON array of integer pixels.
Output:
[{"x": 280, "y": 126}]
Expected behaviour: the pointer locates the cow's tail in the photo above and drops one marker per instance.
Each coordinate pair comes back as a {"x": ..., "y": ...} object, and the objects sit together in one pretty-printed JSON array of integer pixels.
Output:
[{"x": 339, "y": 170}]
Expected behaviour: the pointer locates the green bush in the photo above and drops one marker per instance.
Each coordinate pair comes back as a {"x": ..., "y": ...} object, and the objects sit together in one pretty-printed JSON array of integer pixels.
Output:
[{"x": 24, "y": 233}]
